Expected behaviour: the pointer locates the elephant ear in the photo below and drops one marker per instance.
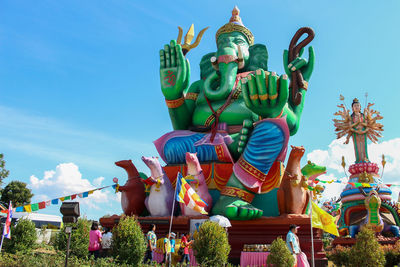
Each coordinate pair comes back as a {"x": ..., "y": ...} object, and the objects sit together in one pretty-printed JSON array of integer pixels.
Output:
[
  {"x": 205, "y": 66},
  {"x": 258, "y": 57}
]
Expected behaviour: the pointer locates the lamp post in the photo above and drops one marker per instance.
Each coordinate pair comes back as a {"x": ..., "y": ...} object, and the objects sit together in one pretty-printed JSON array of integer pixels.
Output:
[{"x": 71, "y": 213}]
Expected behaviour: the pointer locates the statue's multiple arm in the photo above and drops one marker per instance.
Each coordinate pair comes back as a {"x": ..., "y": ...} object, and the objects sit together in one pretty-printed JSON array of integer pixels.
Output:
[
  {"x": 292, "y": 111},
  {"x": 268, "y": 95},
  {"x": 175, "y": 78}
]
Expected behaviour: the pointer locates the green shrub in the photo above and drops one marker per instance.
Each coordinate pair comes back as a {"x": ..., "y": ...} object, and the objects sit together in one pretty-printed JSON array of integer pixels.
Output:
[
  {"x": 327, "y": 241},
  {"x": 367, "y": 251},
  {"x": 280, "y": 255},
  {"x": 23, "y": 237},
  {"x": 79, "y": 245},
  {"x": 128, "y": 242},
  {"x": 392, "y": 254},
  {"x": 339, "y": 256},
  {"x": 38, "y": 259},
  {"x": 211, "y": 245}
]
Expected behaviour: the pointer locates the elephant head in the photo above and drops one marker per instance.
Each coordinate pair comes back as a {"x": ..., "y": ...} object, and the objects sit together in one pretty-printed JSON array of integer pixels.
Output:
[{"x": 235, "y": 53}]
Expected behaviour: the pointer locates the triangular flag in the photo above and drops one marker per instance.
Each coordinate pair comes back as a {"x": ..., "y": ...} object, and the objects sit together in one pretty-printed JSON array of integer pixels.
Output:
[
  {"x": 61, "y": 198},
  {"x": 323, "y": 220},
  {"x": 7, "y": 224},
  {"x": 185, "y": 194}
]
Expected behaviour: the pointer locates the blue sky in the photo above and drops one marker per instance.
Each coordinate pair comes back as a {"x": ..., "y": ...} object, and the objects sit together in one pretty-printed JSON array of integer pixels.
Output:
[{"x": 79, "y": 82}]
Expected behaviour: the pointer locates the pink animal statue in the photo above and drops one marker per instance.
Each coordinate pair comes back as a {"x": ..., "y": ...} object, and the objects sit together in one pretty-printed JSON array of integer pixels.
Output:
[
  {"x": 159, "y": 201},
  {"x": 198, "y": 184},
  {"x": 133, "y": 193}
]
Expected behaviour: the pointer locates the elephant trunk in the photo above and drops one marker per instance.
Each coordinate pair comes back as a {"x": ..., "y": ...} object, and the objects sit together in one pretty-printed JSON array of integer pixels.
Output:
[{"x": 218, "y": 86}]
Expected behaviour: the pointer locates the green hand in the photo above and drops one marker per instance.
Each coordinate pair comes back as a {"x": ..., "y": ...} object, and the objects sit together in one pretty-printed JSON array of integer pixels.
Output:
[
  {"x": 244, "y": 135},
  {"x": 265, "y": 94},
  {"x": 299, "y": 63},
  {"x": 174, "y": 71}
]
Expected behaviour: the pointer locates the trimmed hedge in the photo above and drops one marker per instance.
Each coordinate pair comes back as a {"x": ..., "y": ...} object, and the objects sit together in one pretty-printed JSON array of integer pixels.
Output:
[
  {"x": 211, "y": 245},
  {"x": 128, "y": 242}
]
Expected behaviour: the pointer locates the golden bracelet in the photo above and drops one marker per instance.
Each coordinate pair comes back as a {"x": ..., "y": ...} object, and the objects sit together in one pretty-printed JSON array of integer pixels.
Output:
[
  {"x": 191, "y": 96},
  {"x": 175, "y": 103},
  {"x": 272, "y": 97},
  {"x": 254, "y": 97},
  {"x": 263, "y": 97},
  {"x": 237, "y": 192}
]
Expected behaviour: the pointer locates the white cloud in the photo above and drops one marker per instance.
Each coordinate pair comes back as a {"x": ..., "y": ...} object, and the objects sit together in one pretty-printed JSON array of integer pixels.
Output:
[
  {"x": 97, "y": 182},
  {"x": 332, "y": 159},
  {"x": 65, "y": 180}
]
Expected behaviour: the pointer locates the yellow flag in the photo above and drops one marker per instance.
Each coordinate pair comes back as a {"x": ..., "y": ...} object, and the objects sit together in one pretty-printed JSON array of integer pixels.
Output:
[
  {"x": 28, "y": 208},
  {"x": 323, "y": 220}
]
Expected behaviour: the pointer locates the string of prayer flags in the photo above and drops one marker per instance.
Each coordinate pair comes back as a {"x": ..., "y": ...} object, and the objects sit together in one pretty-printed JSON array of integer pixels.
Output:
[
  {"x": 316, "y": 181},
  {"x": 48, "y": 203}
]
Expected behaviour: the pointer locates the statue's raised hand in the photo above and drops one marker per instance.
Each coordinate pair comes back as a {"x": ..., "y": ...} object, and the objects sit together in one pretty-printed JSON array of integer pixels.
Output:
[
  {"x": 299, "y": 63},
  {"x": 265, "y": 93},
  {"x": 174, "y": 71}
]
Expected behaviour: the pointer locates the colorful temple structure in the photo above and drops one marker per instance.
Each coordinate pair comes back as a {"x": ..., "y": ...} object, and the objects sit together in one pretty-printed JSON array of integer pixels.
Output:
[{"x": 365, "y": 201}]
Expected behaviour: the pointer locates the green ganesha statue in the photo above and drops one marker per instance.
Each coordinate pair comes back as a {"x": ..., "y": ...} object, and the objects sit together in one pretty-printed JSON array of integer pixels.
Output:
[{"x": 238, "y": 112}]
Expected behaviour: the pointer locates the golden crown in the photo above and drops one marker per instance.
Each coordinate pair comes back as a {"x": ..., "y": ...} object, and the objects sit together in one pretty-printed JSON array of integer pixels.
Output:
[{"x": 235, "y": 25}]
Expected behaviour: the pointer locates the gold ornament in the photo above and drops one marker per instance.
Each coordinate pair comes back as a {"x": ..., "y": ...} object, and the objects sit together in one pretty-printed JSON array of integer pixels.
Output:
[
  {"x": 235, "y": 25},
  {"x": 186, "y": 45}
]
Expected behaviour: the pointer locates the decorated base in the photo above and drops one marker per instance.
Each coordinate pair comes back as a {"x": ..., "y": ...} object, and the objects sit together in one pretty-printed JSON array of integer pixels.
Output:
[
  {"x": 348, "y": 242},
  {"x": 260, "y": 231}
]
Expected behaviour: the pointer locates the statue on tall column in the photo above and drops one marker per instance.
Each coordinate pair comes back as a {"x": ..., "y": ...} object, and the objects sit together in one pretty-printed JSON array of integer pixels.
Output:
[
  {"x": 359, "y": 126},
  {"x": 366, "y": 201},
  {"x": 238, "y": 112}
]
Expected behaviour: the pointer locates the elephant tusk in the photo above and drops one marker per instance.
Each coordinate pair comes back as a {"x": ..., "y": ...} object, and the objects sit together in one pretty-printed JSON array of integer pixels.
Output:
[
  {"x": 214, "y": 63},
  {"x": 240, "y": 58}
]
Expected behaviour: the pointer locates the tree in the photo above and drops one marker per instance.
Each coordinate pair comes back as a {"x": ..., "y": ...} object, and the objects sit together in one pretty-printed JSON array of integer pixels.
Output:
[
  {"x": 79, "y": 238},
  {"x": 280, "y": 255},
  {"x": 211, "y": 244},
  {"x": 23, "y": 237},
  {"x": 128, "y": 242},
  {"x": 367, "y": 251},
  {"x": 17, "y": 192},
  {"x": 3, "y": 172}
]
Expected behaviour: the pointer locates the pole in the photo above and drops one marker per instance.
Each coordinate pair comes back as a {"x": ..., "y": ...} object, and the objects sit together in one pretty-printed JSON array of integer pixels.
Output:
[
  {"x": 312, "y": 235},
  {"x": 68, "y": 242},
  {"x": 2, "y": 238}
]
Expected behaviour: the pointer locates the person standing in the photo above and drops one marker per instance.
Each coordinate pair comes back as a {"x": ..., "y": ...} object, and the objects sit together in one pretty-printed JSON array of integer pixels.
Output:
[
  {"x": 151, "y": 239},
  {"x": 172, "y": 246},
  {"x": 95, "y": 240},
  {"x": 292, "y": 241},
  {"x": 185, "y": 244},
  {"x": 167, "y": 251},
  {"x": 106, "y": 242}
]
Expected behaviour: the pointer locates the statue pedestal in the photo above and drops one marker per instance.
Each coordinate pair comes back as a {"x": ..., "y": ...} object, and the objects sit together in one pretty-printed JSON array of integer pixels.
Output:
[
  {"x": 260, "y": 231},
  {"x": 348, "y": 242}
]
